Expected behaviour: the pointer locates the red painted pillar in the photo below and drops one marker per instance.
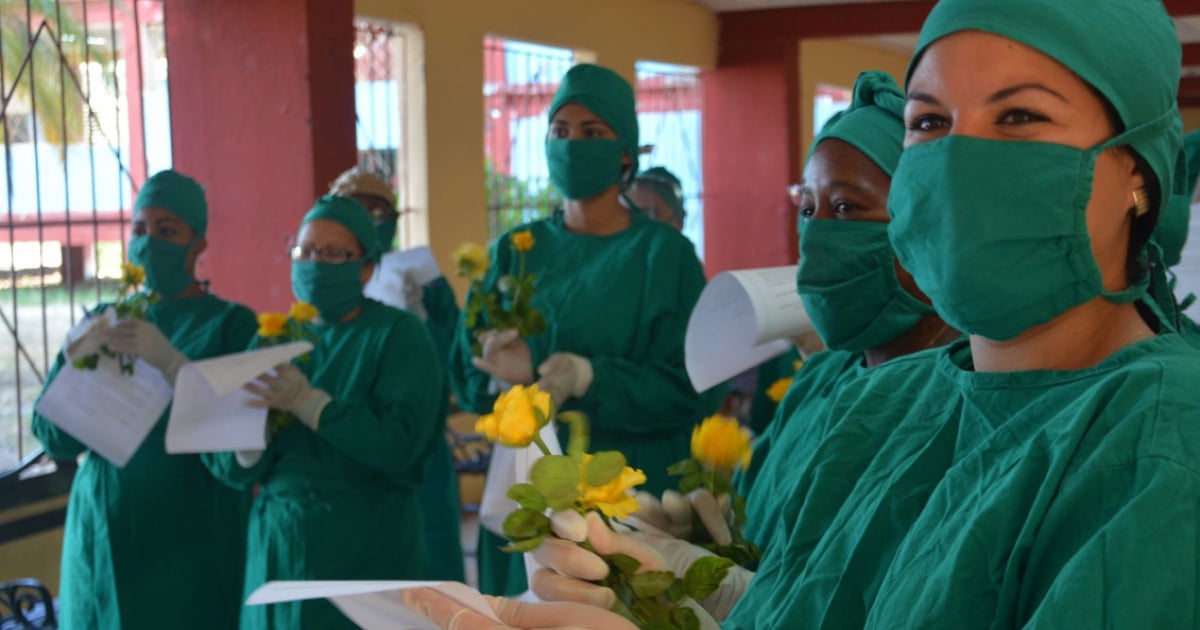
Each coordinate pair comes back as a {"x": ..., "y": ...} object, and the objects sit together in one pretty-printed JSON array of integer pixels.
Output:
[
  {"x": 262, "y": 113},
  {"x": 751, "y": 136}
]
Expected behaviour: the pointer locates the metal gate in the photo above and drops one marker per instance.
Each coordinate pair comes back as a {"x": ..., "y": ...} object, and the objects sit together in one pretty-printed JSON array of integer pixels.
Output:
[{"x": 82, "y": 87}]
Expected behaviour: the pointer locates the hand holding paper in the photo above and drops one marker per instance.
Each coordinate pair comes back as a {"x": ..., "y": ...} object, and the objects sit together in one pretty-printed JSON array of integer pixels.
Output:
[{"x": 288, "y": 390}]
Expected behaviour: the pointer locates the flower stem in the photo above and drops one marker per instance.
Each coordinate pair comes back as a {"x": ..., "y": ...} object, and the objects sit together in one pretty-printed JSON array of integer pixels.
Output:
[{"x": 537, "y": 439}]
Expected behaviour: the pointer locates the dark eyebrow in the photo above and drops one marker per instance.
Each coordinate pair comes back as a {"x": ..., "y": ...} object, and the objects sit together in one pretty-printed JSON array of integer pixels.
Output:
[
  {"x": 924, "y": 98},
  {"x": 591, "y": 121},
  {"x": 1021, "y": 87}
]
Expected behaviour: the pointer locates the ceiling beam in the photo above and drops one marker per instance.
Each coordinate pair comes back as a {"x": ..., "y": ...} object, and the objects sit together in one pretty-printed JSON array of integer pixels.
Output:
[
  {"x": 1189, "y": 86},
  {"x": 1182, "y": 8},
  {"x": 1191, "y": 54},
  {"x": 1189, "y": 102},
  {"x": 842, "y": 20}
]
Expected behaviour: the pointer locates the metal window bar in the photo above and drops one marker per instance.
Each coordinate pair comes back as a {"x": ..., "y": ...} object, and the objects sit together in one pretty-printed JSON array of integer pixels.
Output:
[
  {"x": 45, "y": 185},
  {"x": 377, "y": 81},
  {"x": 519, "y": 82},
  {"x": 670, "y": 108}
]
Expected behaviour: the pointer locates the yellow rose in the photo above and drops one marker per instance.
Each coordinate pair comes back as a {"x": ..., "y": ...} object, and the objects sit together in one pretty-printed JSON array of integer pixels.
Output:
[
  {"x": 271, "y": 324},
  {"x": 132, "y": 275},
  {"x": 523, "y": 241},
  {"x": 488, "y": 426},
  {"x": 516, "y": 422},
  {"x": 614, "y": 498},
  {"x": 303, "y": 312},
  {"x": 779, "y": 389},
  {"x": 721, "y": 443},
  {"x": 472, "y": 261}
]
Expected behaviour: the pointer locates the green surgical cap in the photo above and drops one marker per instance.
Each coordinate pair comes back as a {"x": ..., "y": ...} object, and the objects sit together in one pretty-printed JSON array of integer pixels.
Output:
[
  {"x": 606, "y": 95},
  {"x": 1191, "y": 148},
  {"x": 350, "y": 214},
  {"x": 1127, "y": 50},
  {"x": 874, "y": 122},
  {"x": 666, "y": 186},
  {"x": 178, "y": 194}
]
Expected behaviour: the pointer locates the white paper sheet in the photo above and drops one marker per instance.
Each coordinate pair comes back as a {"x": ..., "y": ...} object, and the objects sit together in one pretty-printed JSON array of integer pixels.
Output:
[
  {"x": 742, "y": 319},
  {"x": 397, "y": 268},
  {"x": 110, "y": 412},
  {"x": 373, "y": 605},
  {"x": 209, "y": 413}
]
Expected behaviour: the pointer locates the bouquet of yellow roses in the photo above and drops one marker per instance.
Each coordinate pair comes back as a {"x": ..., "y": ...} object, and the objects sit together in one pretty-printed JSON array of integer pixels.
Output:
[
  {"x": 720, "y": 445},
  {"x": 131, "y": 303},
  {"x": 512, "y": 306},
  {"x": 571, "y": 485},
  {"x": 279, "y": 328}
]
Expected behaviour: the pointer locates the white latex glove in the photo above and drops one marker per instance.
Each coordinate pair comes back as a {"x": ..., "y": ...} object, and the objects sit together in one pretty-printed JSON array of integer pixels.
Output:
[
  {"x": 565, "y": 375},
  {"x": 144, "y": 340},
  {"x": 505, "y": 357},
  {"x": 448, "y": 614},
  {"x": 675, "y": 515},
  {"x": 86, "y": 337},
  {"x": 289, "y": 390},
  {"x": 413, "y": 294}
]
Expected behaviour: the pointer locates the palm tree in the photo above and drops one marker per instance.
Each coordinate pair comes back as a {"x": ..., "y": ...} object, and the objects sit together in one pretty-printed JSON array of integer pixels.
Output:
[{"x": 45, "y": 71}]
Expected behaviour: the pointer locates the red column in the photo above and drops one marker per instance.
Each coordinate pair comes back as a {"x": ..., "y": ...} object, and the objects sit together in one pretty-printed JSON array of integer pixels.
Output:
[
  {"x": 751, "y": 137},
  {"x": 262, "y": 113}
]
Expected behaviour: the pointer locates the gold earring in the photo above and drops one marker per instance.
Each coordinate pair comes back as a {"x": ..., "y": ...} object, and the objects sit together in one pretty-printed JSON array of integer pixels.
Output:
[{"x": 1141, "y": 201}]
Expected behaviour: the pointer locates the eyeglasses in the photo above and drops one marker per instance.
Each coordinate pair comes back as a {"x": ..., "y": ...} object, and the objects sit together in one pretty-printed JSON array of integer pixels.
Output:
[{"x": 323, "y": 254}]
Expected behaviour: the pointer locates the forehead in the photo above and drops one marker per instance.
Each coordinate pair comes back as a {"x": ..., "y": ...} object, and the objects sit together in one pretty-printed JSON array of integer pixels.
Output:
[
  {"x": 154, "y": 214},
  {"x": 837, "y": 160},
  {"x": 953, "y": 64},
  {"x": 323, "y": 233},
  {"x": 574, "y": 113}
]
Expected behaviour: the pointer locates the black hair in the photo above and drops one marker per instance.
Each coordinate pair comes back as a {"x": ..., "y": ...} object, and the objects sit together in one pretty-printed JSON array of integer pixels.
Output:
[{"x": 1143, "y": 226}]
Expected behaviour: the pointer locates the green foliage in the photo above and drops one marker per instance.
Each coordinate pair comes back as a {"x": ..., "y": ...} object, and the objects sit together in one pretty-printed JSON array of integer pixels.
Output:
[
  {"x": 604, "y": 467},
  {"x": 692, "y": 477}
]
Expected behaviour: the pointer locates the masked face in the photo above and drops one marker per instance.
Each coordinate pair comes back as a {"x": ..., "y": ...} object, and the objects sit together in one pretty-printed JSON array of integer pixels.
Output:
[
  {"x": 328, "y": 269},
  {"x": 852, "y": 289},
  {"x": 167, "y": 248},
  {"x": 584, "y": 155},
  {"x": 1010, "y": 204}
]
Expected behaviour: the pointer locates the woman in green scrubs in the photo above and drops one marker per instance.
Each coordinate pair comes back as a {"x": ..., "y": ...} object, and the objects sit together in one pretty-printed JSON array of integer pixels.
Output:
[
  {"x": 158, "y": 543},
  {"x": 338, "y": 484},
  {"x": 617, "y": 289}
]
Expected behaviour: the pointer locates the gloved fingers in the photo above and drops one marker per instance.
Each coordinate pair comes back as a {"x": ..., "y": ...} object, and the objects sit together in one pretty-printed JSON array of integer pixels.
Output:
[
  {"x": 570, "y": 559},
  {"x": 606, "y": 542},
  {"x": 678, "y": 508},
  {"x": 264, "y": 393},
  {"x": 651, "y": 511},
  {"x": 710, "y": 515},
  {"x": 726, "y": 504},
  {"x": 555, "y": 363},
  {"x": 553, "y": 586},
  {"x": 569, "y": 525},
  {"x": 446, "y": 612},
  {"x": 556, "y": 615}
]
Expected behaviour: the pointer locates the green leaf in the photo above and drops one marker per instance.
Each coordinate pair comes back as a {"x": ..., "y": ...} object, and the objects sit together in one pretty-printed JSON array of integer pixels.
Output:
[
  {"x": 685, "y": 467},
  {"x": 525, "y": 523},
  {"x": 705, "y": 575},
  {"x": 720, "y": 484},
  {"x": 625, "y": 564},
  {"x": 685, "y": 618},
  {"x": 604, "y": 467},
  {"x": 651, "y": 583},
  {"x": 556, "y": 477},
  {"x": 529, "y": 544},
  {"x": 657, "y": 624},
  {"x": 541, "y": 417},
  {"x": 690, "y": 483},
  {"x": 527, "y": 496},
  {"x": 564, "y": 502}
]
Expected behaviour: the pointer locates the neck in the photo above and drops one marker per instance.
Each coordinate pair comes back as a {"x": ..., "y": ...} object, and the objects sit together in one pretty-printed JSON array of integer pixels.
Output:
[
  {"x": 1082, "y": 337},
  {"x": 351, "y": 315},
  {"x": 929, "y": 332},
  {"x": 194, "y": 289},
  {"x": 600, "y": 215}
]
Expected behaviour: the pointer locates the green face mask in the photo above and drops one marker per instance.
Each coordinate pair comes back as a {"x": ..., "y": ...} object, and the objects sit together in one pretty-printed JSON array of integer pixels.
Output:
[
  {"x": 847, "y": 280},
  {"x": 582, "y": 169},
  {"x": 387, "y": 233},
  {"x": 995, "y": 232},
  {"x": 163, "y": 261},
  {"x": 334, "y": 290}
]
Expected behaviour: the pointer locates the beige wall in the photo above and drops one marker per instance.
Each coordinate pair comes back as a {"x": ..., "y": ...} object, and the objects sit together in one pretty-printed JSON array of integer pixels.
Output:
[
  {"x": 34, "y": 556},
  {"x": 618, "y": 34},
  {"x": 838, "y": 62}
]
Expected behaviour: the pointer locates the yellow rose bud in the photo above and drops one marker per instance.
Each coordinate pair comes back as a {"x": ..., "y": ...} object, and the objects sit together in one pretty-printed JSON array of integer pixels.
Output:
[
  {"x": 614, "y": 499},
  {"x": 721, "y": 443},
  {"x": 303, "y": 312},
  {"x": 523, "y": 241},
  {"x": 272, "y": 324},
  {"x": 132, "y": 275},
  {"x": 779, "y": 389},
  {"x": 517, "y": 422},
  {"x": 472, "y": 261},
  {"x": 488, "y": 426}
]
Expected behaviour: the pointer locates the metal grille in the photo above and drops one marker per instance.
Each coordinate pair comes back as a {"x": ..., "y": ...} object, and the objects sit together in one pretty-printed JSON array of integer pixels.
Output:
[
  {"x": 519, "y": 80},
  {"x": 669, "y": 114},
  {"x": 82, "y": 86}
]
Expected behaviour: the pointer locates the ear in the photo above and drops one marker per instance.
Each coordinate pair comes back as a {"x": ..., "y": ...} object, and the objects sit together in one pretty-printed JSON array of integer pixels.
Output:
[
  {"x": 368, "y": 270},
  {"x": 198, "y": 248},
  {"x": 1137, "y": 178}
]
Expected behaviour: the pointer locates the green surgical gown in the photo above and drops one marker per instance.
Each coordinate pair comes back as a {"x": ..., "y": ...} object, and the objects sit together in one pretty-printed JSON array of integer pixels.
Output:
[
  {"x": 341, "y": 503},
  {"x": 762, "y": 408},
  {"x": 158, "y": 543},
  {"x": 947, "y": 498},
  {"x": 781, "y": 453},
  {"x": 622, "y": 301}
]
